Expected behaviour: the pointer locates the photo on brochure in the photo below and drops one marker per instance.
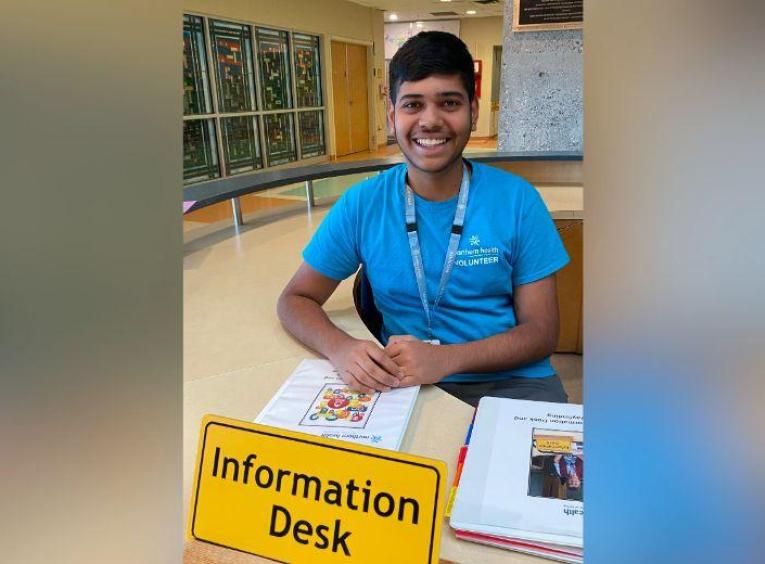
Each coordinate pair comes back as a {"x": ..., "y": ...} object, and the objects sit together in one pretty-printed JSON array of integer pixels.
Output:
[
  {"x": 340, "y": 406},
  {"x": 556, "y": 469}
]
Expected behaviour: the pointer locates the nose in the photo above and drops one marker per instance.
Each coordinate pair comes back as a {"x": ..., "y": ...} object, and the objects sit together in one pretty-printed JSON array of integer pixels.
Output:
[{"x": 430, "y": 117}]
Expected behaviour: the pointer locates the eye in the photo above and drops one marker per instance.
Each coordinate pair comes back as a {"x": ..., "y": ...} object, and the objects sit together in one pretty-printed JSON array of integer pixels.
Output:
[
  {"x": 451, "y": 104},
  {"x": 410, "y": 105}
]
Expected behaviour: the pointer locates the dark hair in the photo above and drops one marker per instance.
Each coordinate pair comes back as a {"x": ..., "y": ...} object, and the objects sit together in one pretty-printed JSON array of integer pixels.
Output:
[{"x": 429, "y": 53}]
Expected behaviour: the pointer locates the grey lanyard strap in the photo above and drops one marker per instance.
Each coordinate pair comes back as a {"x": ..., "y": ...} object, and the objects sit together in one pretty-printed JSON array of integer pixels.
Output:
[{"x": 451, "y": 253}]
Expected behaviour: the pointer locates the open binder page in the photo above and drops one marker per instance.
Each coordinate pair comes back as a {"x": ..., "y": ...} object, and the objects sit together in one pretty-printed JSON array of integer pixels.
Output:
[
  {"x": 523, "y": 476},
  {"x": 315, "y": 400}
]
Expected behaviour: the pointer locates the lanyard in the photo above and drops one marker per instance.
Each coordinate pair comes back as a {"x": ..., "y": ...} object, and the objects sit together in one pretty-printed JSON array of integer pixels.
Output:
[{"x": 451, "y": 253}]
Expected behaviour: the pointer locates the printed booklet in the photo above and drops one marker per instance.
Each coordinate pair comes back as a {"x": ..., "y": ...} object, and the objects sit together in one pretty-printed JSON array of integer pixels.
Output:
[
  {"x": 315, "y": 400},
  {"x": 522, "y": 483}
]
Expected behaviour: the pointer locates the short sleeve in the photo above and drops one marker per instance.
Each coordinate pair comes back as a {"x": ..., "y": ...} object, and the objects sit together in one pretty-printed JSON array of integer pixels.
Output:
[
  {"x": 333, "y": 249},
  {"x": 539, "y": 251}
]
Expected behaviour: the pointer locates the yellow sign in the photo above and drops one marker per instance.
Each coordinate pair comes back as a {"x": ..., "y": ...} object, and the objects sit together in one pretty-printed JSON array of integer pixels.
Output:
[
  {"x": 553, "y": 444},
  {"x": 300, "y": 498}
]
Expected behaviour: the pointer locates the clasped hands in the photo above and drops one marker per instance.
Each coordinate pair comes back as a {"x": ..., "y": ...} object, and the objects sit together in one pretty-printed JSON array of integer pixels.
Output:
[{"x": 405, "y": 361}]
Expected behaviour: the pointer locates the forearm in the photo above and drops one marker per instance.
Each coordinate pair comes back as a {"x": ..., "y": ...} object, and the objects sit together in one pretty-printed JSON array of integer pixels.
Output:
[
  {"x": 307, "y": 321},
  {"x": 521, "y": 345},
  {"x": 361, "y": 364}
]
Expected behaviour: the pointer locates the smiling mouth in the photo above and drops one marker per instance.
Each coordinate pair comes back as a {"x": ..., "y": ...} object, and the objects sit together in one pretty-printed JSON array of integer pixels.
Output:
[{"x": 424, "y": 142}]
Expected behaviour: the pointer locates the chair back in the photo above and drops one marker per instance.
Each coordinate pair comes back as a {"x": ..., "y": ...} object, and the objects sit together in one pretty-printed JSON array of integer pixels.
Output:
[{"x": 364, "y": 301}]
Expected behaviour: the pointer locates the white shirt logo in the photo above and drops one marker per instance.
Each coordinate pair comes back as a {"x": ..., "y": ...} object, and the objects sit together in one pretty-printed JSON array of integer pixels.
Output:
[{"x": 476, "y": 254}]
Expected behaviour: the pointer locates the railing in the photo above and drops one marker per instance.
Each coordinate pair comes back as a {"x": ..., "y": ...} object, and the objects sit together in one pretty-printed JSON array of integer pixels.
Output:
[{"x": 231, "y": 188}]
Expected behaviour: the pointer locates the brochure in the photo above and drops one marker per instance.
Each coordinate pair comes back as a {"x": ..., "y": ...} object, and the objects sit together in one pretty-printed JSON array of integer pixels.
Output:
[{"x": 315, "y": 400}]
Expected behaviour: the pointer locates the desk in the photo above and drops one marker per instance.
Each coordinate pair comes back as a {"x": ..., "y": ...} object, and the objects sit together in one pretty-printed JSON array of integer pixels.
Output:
[
  {"x": 436, "y": 430},
  {"x": 236, "y": 355}
]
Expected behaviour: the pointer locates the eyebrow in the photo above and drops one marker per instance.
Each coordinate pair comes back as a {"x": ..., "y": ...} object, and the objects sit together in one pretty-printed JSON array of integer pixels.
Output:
[{"x": 447, "y": 94}]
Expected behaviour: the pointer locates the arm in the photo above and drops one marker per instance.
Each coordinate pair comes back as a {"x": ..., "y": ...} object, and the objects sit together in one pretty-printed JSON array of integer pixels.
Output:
[
  {"x": 361, "y": 364},
  {"x": 534, "y": 337}
]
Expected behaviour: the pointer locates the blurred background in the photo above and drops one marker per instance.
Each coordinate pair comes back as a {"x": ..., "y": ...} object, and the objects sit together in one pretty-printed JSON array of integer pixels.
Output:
[{"x": 95, "y": 162}]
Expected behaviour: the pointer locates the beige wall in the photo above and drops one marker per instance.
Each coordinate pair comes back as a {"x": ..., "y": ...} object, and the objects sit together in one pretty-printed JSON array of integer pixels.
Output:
[
  {"x": 332, "y": 19},
  {"x": 380, "y": 101},
  {"x": 336, "y": 17},
  {"x": 481, "y": 35}
]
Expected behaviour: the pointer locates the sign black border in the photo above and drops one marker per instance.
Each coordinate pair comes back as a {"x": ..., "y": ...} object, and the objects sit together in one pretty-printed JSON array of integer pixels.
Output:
[
  {"x": 517, "y": 27},
  {"x": 311, "y": 442}
]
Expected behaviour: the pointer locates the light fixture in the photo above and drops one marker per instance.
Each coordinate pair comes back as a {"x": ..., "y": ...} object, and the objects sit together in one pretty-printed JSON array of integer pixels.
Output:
[
  {"x": 393, "y": 17},
  {"x": 418, "y": 24},
  {"x": 470, "y": 12},
  {"x": 446, "y": 0}
]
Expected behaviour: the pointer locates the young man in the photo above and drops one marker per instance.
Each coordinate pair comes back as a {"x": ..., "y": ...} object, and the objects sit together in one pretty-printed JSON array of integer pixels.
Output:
[{"x": 460, "y": 256}]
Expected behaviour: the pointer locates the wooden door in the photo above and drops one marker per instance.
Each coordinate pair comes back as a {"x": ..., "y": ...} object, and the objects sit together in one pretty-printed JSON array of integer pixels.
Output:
[
  {"x": 350, "y": 98},
  {"x": 340, "y": 100},
  {"x": 359, "y": 108},
  {"x": 496, "y": 76}
]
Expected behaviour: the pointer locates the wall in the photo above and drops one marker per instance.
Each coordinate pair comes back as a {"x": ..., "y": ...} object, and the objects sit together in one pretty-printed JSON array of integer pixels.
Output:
[
  {"x": 332, "y": 19},
  {"x": 481, "y": 35},
  {"x": 336, "y": 17},
  {"x": 380, "y": 101},
  {"x": 541, "y": 97}
]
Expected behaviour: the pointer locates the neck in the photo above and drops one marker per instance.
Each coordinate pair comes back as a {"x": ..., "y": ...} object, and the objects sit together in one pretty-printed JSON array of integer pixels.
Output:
[{"x": 436, "y": 186}]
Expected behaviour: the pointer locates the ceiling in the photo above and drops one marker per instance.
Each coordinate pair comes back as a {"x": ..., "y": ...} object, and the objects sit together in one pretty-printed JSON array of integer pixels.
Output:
[{"x": 414, "y": 10}]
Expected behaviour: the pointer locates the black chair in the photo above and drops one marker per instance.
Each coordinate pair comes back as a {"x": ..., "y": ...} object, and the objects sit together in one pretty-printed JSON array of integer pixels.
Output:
[{"x": 365, "y": 304}]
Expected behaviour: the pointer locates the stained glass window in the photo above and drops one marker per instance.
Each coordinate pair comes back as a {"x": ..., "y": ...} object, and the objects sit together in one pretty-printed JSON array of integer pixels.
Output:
[
  {"x": 196, "y": 86},
  {"x": 252, "y": 98},
  {"x": 275, "y": 79},
  {"x": 200, "y": 156},
  {"x": 307, "y": 70},
  {"x": 232, "y": 50},
  {"x": 241, "y": 146},
  {"x": 280, "y": 138},
  {"x": 311, "y": 125}
]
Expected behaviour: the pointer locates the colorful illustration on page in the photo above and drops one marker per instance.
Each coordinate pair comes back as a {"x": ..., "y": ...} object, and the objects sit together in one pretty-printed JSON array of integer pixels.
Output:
[{"x": 337, "y": 405}]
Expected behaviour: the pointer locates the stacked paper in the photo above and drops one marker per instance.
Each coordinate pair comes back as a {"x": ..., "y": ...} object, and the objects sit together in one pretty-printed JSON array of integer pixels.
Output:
[{"x": 522, "y": 483}]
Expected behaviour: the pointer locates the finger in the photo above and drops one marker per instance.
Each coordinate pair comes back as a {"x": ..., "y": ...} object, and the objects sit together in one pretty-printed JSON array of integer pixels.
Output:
[
  {"x": 393, "y": 339},
  {"x": 401, "y": 338},
  {"x": 386, "y": 363},
  {"x": 397, "y": 350},
  {"x": 376, "y": 376},
  {"x": 382, "y": 377},
  {"x": 363, "y": 376},
  {"x": 393, "y": 350},
  {"x": 358, "y": 385},
  {"x": 408, "y": 381},
  {"x": 347, "y": 377}
]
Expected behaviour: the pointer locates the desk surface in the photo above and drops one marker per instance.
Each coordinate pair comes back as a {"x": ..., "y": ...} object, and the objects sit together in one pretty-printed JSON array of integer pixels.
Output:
[
  {"x": 236, "y": 354},
  {"x": 436, "y": 430}
]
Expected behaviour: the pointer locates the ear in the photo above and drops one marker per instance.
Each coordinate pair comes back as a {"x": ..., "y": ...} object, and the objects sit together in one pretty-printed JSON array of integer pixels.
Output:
[
  {"x": 390, "y": 112},
  {"x": 474, "y": 113}
]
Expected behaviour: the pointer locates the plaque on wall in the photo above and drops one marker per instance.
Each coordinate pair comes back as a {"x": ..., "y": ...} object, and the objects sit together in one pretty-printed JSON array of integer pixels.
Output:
[
  {"x": 196, "y": 88},
  {"x": 546, "y": 15},
  {"x": 307, "y": 70},
  {"x": 311, "y": 126},
  {"x": 232, "y": 51},
  {"x": 200, "y": 156},
  {"x": 280, "y": 138},
  {"x": 241, "y": 149},
  {"x": 275, "y": 79}
]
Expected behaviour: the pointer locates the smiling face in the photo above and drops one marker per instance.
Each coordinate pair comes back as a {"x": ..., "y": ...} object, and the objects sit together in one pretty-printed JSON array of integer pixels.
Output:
[{"x": 432, "y": 119}]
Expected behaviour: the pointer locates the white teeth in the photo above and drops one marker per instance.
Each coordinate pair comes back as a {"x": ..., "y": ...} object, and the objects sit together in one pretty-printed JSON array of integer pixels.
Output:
[{"x": 430, "y": 142}]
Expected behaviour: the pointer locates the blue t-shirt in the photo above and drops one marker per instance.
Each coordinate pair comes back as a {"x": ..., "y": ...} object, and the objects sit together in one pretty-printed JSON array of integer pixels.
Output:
[{"x": 508, "y": 239}]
